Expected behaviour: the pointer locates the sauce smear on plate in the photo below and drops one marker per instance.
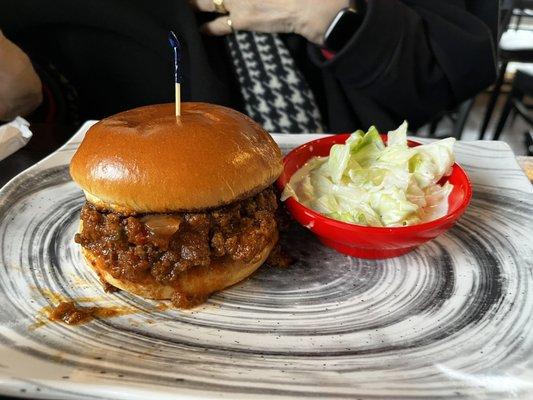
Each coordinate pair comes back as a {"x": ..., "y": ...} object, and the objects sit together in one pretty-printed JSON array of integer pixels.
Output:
[{"x": 72, "y": 314}]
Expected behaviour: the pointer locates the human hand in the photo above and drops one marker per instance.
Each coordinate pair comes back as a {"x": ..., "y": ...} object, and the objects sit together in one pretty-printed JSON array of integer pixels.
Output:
[
  {"x": 20, "y": 87},
  {"x": 308, "y": 18}
]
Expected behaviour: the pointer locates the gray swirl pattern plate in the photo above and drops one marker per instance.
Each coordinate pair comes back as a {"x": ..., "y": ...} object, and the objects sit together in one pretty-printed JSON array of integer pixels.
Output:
[{"x": 452, "y": 319}]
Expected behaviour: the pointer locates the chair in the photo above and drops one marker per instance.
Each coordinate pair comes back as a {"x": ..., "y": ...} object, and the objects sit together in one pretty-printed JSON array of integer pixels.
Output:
[
  {"x": 522, "y": 86},
  {"x": 489, "y": 13},
  {"x": 458, "y": 116},
  {"x": 514, "y": 46},
  {"x": 529, "y": 142}
]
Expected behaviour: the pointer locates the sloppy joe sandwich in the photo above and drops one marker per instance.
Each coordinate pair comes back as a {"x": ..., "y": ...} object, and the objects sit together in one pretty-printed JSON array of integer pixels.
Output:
[{"x": 177, "y": 207}]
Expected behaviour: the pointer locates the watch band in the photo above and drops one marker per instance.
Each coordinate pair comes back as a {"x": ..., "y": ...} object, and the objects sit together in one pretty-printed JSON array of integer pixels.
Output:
[{"x": 344, "y": 25}]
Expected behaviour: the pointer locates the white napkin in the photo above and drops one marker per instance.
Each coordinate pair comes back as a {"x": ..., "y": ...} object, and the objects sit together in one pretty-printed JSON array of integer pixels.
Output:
[{"x": 13, "y": 136}]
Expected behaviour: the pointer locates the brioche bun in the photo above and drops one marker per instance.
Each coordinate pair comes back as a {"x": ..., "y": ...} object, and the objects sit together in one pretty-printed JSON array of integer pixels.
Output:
[{"x": 147, "y": 160}]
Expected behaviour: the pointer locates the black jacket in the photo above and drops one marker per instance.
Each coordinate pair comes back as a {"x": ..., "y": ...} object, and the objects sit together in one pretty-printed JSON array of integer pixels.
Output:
[{"x": 411, "y": 59}]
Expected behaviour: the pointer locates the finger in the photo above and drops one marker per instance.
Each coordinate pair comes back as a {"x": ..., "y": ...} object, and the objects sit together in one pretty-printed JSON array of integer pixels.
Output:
[
  {"x": 207, "y": 5},
  {"x": 218, "y": 27}
]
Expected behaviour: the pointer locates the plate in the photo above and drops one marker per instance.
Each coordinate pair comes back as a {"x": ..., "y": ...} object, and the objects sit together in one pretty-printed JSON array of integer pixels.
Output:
[{"x": 454, "y": 318}]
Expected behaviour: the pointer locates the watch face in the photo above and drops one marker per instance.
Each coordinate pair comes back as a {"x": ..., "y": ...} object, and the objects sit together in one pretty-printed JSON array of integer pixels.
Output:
[{"x": 342, "y": 29}]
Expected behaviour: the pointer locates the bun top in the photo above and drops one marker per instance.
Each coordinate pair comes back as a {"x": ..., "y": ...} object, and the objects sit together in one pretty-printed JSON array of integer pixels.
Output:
[{"x": 148, "y": 160}]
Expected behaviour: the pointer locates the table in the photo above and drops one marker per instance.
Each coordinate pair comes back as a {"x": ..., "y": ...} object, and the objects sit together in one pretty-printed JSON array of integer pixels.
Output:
[{"x": 526, "y": 163}]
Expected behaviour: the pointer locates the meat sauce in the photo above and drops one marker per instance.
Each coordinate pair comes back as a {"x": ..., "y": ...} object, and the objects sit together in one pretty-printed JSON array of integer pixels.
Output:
[
  {"x": 72, "y": 314},
  {"x": 161, "y": 246}
]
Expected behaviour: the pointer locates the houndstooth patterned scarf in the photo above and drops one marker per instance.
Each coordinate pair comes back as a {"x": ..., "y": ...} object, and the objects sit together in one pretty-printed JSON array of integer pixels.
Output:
[{"x": 275, "y": 92}]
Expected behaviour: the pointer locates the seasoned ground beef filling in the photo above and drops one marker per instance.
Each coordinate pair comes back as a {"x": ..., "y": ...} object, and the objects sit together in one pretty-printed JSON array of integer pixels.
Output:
[{"x": 163, "y": 245}]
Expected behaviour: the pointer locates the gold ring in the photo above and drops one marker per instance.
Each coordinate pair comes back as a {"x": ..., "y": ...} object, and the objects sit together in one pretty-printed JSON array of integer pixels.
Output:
[
  {"x": 230, "y": 24},
  {"x": 220, "y": 7}
]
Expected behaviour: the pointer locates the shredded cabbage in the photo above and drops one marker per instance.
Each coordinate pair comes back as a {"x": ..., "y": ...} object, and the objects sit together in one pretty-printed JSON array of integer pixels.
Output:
[{"x": 367, "y": 183}]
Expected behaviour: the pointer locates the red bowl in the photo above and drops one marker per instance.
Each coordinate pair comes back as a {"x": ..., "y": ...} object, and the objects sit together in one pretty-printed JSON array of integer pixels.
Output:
[{"x": 363, "y": 241}]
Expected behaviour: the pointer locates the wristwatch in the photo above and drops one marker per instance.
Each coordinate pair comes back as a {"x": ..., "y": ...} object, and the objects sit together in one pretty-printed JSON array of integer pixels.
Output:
[{"x": 344, "y": 25}]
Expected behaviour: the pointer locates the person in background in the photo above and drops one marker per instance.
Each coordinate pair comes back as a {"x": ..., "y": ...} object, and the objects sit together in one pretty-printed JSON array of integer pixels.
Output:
[
  {"x": 20, "y": 87},
  {"x": 380, "y": 61},
  {"x": 292, "y": 65}
]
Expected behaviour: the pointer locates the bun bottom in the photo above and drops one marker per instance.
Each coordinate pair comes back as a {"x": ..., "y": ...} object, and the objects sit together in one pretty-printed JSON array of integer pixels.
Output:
[{"x": 193, "y": 286}]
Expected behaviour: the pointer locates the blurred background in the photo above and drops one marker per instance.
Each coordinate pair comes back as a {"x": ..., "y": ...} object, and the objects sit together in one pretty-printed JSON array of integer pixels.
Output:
[
  {"x": 505, "y": 110},
  {"x": 77, "y": 62}
]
